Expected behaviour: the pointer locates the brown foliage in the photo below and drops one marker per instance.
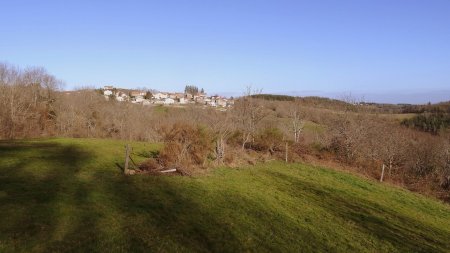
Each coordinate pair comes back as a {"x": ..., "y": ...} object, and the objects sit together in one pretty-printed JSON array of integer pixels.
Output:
[
  {"x": 269, "y": 140},
  {"x": 26, "y": 102},
  {"x": 186, "y": 147},
  {"x": 150, "y": 165}
]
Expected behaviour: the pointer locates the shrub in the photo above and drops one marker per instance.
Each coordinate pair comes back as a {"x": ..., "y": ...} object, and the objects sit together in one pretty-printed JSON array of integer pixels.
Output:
[
  {"x": 270, "y": 139},
  {"x": 186, "y": 147},
  {"x": 150, "y": 165},
  {"x": 429, "y": 122},
  {"x": 422, "y": 156}
]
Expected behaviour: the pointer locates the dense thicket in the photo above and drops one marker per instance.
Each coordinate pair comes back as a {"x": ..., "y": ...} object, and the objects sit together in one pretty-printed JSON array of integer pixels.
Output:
[
  {"x": 27, "y": 101},
  {"x": 443, "y": 107},
  {"x": 429, "y": 122}
]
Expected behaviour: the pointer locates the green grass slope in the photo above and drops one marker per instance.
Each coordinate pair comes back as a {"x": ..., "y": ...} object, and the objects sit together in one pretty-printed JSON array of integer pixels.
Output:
[{"x": 69, "y": 195}]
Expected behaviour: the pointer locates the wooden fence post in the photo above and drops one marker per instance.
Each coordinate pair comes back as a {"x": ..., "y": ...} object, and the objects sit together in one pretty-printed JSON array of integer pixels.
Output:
[
  {"x": 127, "y": 159},
  {"x": 286, "y": 158},
  {"x": 382, "y": 173}
]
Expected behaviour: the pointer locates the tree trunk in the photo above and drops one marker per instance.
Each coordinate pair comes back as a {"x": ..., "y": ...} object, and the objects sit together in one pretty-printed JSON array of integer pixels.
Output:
[
  {"x": 245, "y": 140},
  {"x": 286, "y": 157},
  {"x": 390, "y": 167},
  {"x": 127, "y": 159},
  {"x": 220, "y": 150}
]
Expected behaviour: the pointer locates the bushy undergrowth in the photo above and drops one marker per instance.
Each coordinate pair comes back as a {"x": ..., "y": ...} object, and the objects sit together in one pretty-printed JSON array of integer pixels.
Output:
[
  {"x": 187, "y": 147},
  {"x": 429, "y": 122}
]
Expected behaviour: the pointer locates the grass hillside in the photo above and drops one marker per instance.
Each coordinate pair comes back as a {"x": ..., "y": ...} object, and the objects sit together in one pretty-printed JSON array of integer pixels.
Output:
[{"x": 69, "y": 195}]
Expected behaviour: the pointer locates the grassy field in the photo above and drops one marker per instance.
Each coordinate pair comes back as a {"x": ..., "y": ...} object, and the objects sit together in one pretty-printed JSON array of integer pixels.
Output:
[
  {"x": 69, "y": 195},
  {"x": 399, "y": 116}
]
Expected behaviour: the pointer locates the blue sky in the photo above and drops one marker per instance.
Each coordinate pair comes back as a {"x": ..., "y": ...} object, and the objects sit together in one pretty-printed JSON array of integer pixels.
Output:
[{"x": 367, "y": 48}]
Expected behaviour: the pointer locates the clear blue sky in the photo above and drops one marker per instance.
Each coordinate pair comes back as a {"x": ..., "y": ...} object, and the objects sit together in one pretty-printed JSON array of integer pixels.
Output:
[{"x": 360, "y": 46}]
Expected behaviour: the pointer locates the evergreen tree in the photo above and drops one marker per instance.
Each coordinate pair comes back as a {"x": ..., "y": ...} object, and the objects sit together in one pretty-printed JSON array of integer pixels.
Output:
[{"x": 191, "y": 89}]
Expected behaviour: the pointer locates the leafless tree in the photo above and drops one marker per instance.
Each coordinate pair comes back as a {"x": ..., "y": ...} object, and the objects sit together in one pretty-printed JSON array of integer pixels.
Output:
[
  {"x": 248, "y": 114},
  {"x": 385, "y": 143},
  {"x": 221, "y": 125},
  {"x": 348, "y": 132},
  {"x": 444, "y": 167},
  {"x": 297, "y": 122},
  {"x": 26, "y": 101}
]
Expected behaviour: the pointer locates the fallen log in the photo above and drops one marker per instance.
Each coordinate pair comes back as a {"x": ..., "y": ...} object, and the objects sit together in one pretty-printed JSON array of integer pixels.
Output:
[{"x": 168, "y": 171}]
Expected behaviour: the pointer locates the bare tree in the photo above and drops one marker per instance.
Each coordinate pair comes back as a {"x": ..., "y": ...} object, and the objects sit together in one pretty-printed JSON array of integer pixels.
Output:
[
  {"x": 297, "y": 122},
  {"x": 221, "y": 126},
  {"x": 392, "y": 148},
  {"x": 347, "y": 134},
  {"x": 249, "y": 113},
  {"x": 444, "y": 168},
  {"x": 26, "y": 101}
]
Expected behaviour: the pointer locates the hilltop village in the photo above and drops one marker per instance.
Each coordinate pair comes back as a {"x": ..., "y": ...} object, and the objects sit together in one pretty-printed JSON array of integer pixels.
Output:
[{"x": 191, "y": 95}]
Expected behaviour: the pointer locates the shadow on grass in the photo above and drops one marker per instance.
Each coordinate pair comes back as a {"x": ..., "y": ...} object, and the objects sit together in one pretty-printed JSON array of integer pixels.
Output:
[
  {"x": 402, "y": 232},
  {"x": 165, "y": 213},
  {"x": 32, "y": 207},
  {"x": 175, "y": 217},
  {"x": 60, "y": 212}
]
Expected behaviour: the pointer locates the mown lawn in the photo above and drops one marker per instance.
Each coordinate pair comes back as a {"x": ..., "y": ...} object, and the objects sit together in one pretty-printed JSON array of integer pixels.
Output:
[{"x": 69, "y": 195}]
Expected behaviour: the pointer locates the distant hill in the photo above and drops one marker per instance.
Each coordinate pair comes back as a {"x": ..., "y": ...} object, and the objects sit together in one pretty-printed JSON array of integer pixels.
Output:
[
  {"x": 274, "y": 97},
  {"x": 307, "y": 101},
  {"x": 324, "y": 102}
]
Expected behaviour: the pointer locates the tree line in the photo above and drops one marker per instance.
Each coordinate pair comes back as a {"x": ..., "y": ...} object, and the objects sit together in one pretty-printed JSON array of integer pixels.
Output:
[{"x": 193, "y": 90}]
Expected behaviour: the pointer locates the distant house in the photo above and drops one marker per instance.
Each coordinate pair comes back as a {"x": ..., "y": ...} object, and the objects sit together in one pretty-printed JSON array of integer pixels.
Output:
[
  {"x": 169, "y": 101},
  {"x": 160, "y": 95},
  {"x": 107, "y": 92},
  {"x": 179, "y": 95},
  {"x": 120, "y": 96},
  {"x": 199, "y": 95},
  {"x": 136, "y": 93},
  {"x": 139, "y": 99},
  {"x": 108, "y": 87},
  {"x": 221, "y": 102},
  {"x": 200, "y": 100},
  {"x": 183, "y": 101}
]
